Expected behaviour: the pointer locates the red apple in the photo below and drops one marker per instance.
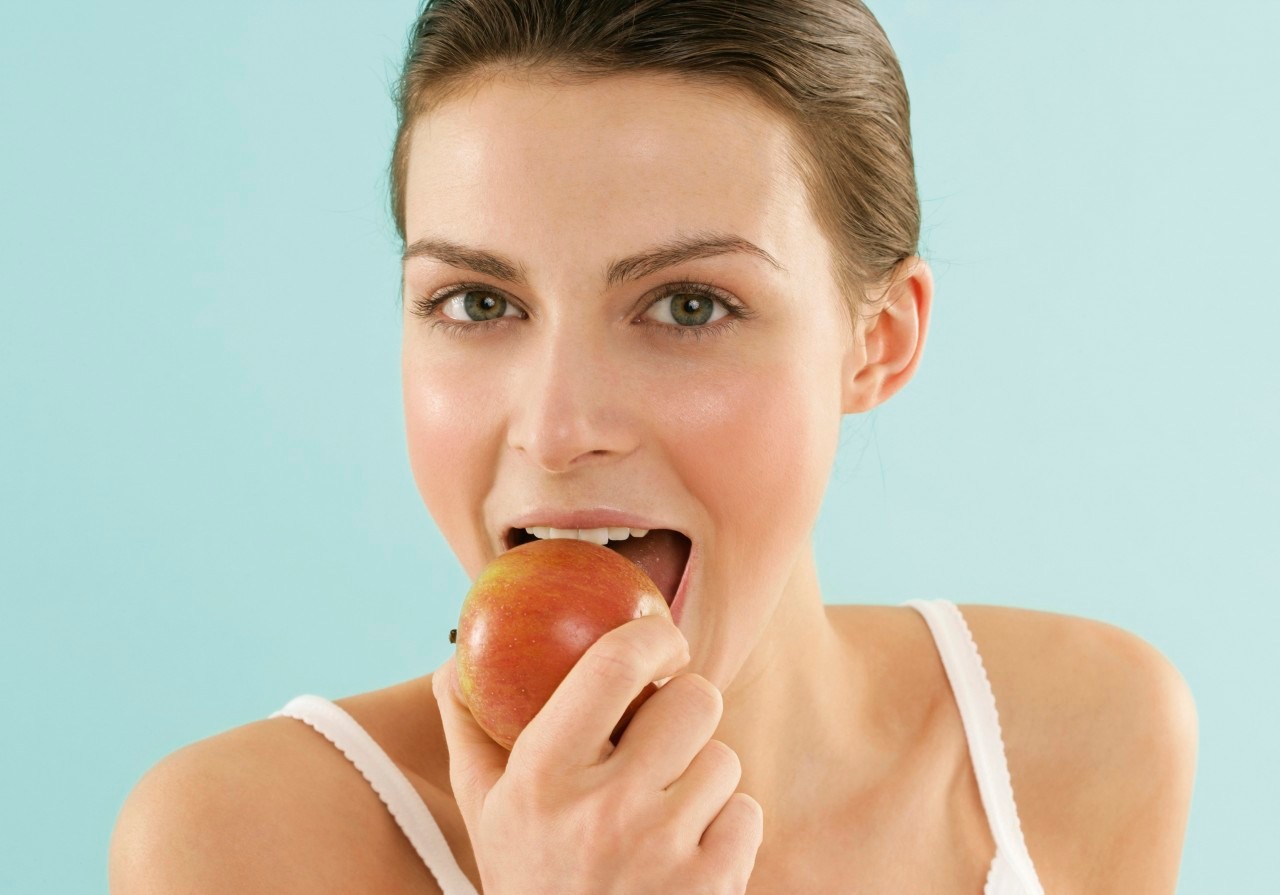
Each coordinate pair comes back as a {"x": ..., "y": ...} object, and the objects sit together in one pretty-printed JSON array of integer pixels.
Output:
[{"x": 531, "y": 615}]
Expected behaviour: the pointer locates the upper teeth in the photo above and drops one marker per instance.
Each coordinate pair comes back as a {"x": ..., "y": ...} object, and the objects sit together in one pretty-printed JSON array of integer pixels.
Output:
[{"x": 599, "y": 536}]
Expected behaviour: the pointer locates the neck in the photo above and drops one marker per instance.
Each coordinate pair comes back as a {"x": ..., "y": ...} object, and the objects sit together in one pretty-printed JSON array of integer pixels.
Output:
[{"x": 790, "y": 710}]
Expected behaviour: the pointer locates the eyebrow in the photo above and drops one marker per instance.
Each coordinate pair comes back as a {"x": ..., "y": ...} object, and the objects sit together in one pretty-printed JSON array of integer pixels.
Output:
[{"x": 633, "y": 267}]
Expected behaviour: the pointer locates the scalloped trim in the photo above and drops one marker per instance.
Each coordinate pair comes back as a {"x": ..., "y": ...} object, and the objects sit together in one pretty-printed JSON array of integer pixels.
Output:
[
  {"x": 420, "y": 828},
  {"x": 375, "y": 785},
  {"x": 988, "y": 887},
  {"x": 1004, "y": 782}
]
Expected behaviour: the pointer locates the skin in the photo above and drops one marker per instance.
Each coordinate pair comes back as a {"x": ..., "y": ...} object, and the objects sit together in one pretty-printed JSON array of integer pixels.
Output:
[
  {"x": 846, "y": 727},
  {"x": 730, "y": 437}
]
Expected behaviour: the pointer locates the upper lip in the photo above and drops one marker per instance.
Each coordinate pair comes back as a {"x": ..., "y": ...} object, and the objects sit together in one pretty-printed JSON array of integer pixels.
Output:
[{"x": 586, "y": 517}]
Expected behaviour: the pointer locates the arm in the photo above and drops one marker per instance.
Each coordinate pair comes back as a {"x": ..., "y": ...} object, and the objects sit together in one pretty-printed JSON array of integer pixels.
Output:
[
  {"x": 187, "y": 826},
  {"x": 1142, "y": 796},
  {"x": 266, "y": 808},
  {"x": 1100, "y": 733}
]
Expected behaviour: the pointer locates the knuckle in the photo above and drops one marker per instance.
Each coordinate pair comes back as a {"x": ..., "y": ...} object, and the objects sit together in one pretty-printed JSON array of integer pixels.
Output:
[
  {"x": 535, "y": 765},
  {"x": 698, "y": 693},
  {"x": 752, "y": 809},
  {"x": 664, "y": 840},
  {"x": 539, "y": 793},
  {"x": 723, "y": 756},
  {"x": 616, "y": 658},
  {"x": 438, "y": 688},
  {"x": 612, "y": 821},
  {"x": 721, "y": 881}
]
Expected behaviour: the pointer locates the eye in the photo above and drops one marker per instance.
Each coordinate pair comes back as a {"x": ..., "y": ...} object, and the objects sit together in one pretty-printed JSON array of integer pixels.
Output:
[
  {"x": 482, "y": 308},
  {"x": 688, "y": 306},
  {"x": 476, "y": 305},
  {"x": 691, "y": 308}
]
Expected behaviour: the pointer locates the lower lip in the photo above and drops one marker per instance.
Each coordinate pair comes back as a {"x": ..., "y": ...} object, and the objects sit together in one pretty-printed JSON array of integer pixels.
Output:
[{"x": 677, "y": 604}]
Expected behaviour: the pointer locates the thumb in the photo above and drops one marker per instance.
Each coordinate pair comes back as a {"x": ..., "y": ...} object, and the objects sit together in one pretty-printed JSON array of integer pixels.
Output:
[{"x": 476, "y": 761}]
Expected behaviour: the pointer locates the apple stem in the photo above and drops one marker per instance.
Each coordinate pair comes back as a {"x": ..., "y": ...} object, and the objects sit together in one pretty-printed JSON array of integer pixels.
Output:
[{"x": 453, "y": 635}]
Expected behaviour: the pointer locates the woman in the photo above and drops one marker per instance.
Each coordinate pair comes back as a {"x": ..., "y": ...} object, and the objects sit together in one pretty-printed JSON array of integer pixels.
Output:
[{"x": 654, "y": 251}]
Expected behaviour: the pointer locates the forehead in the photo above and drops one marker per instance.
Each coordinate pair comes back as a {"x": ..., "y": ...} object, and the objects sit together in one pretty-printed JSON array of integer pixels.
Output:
[{"x": 607, "y": 164}]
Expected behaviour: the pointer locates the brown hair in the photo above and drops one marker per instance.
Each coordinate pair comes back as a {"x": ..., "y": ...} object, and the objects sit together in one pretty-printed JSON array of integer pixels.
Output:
[{"x": 825, "y": 65}]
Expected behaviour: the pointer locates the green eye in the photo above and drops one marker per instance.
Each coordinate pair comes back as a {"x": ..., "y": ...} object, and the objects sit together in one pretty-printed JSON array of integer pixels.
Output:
[{"x": 690, "y": 308}]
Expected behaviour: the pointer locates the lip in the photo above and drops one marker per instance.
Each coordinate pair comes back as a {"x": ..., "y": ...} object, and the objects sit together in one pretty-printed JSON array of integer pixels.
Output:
[
  {"x": 587, "y": 517},
  {"x": 677, "y": 602}
]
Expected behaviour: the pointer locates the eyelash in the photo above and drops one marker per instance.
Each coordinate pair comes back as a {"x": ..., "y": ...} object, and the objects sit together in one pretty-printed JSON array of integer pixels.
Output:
[{"x": 425, "y": 306}]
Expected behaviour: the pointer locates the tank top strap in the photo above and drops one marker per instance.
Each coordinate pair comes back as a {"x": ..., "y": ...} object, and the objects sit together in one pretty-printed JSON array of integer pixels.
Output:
[
  {"x": 388, "y": 781},
  {"x": 977, "y": 704}
]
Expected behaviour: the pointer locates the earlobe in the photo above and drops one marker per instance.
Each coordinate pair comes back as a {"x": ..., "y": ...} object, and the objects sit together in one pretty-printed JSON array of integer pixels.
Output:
[{"x": 888, "y": 346}]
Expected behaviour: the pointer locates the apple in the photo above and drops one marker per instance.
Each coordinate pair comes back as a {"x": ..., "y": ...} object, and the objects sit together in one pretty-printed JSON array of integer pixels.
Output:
[{"x": 531, "y": 615}]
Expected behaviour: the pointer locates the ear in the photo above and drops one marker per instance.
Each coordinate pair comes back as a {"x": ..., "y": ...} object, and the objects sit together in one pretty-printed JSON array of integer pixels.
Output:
[{"x": 887, "y": 346}]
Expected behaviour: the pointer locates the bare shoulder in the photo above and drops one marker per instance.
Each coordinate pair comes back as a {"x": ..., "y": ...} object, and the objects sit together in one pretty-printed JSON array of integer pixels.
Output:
[
  {"x": 270, "y": 806},
  {"x": 1101, "y": 733}
]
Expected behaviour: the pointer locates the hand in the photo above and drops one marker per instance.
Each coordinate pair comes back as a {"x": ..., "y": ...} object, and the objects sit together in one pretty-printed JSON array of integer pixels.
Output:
[{"x": 566, "y": 812}]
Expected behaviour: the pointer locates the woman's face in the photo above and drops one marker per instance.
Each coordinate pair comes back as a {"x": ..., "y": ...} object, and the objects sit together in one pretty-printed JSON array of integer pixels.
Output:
[{"x": 587, "y": 390}]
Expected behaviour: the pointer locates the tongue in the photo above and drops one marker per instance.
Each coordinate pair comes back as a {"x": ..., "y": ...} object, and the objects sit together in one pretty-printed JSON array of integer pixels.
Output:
[{"x": 661, "y": 554}]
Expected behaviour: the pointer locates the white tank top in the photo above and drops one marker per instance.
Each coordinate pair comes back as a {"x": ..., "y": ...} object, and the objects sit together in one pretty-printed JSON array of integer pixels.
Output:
[{"x": 1011, "y": 872}]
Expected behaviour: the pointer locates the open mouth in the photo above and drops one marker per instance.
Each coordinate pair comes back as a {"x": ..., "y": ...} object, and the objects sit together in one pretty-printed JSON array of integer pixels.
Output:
[{"x": 662, "y": 554}]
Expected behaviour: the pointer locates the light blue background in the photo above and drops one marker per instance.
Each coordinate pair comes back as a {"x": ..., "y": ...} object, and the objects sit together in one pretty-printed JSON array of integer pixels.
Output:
[{"x": 206, "y": 501}]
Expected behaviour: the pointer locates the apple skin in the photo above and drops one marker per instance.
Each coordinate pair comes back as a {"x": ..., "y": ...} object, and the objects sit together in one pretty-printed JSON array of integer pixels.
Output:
[{"x": 529, "y": 617}]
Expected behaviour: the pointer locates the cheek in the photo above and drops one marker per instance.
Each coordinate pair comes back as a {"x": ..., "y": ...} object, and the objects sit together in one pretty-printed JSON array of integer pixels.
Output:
[
  {"x": 757, "y": 448},
  {"x": 444, "y": 433}
]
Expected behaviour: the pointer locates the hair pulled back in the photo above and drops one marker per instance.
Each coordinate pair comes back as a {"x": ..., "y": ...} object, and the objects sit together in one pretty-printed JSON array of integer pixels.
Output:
[{"x": 825, "y": 66}]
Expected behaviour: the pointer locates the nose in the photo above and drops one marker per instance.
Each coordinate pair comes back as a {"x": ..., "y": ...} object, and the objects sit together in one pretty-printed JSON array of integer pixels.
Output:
[{"x": 570, "y": 400}]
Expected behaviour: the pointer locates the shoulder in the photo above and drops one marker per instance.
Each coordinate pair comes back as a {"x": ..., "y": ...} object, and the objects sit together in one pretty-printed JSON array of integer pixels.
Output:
[
  {"x": 1101, "y": 735},
  {"x": 1083, "y": 685},
  {"x": 267, "y": 807}
]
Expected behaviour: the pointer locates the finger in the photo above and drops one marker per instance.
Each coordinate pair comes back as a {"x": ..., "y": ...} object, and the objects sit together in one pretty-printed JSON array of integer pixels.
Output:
[
  {"x": 703, "y": 790},
  {"x": 730, "y": 844},
  {"x": 668, "y": 731},
  {"x": 572, "y": 729},
  {"x": 476, "y": 761}
]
